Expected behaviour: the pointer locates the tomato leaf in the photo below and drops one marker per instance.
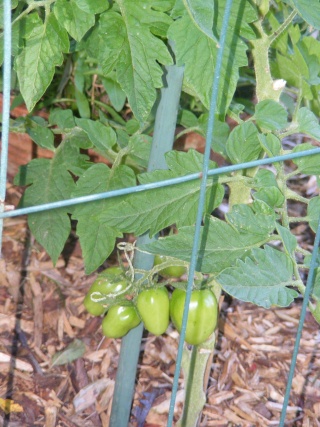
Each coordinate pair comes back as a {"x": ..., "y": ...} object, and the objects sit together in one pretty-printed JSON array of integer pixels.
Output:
[
  {"x": 301, "y": 67},
  {"x": 197, "y": 50},
  {"x": 62, "y": 118},
  {"x": 73, "y": 18},
  {"x": 97, "y": 238},
  {"x": 244, "y": 219},
  {"x": 201, "y": 13},
  {"x": 314, "y": 212},
  {"x": 288, "y": 239},
  {"x": 263, "y": 278},
  {"x": 35, "y": 65},
  {"x": 272, "y": 196},
  {"x": 38, "y": 131},
  {"x": 309, "y": 165},
  {"x": 101, "y": 136},
  {"x": 243, "y": 143},
  {"x": 270, "y": 115},
  {"x": 134, "y": 52},
  {"x": 153, "y": 211},
  {"x": 308, "y": 123},
  {"x": 309, "y": 10},
  {"x": 221, "y": 245},
  {"x": 93, "y": 6},
  {"x": 50, "y": 181},
  {"x": 115, "y": 93},
  {"x": 271, "y": 144}
]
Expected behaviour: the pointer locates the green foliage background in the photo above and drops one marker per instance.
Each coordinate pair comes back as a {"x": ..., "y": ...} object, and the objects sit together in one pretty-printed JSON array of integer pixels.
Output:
[{"x": 98, "y": 67}]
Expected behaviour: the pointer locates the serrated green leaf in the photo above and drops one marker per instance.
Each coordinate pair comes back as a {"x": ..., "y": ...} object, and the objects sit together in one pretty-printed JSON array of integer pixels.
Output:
[
  {"x": 198, "y": 52},
  {"x": 185, "y": 163},
  {"x": 93, "y": 6},
  {"x": 82, "y": 104},
  {"x": 270, "y": 115},
  {"x": 264, "y": 178},
  {"x": 50, "y": 183},
  {"x": 308, "y": 123},
  {"x": 201, "y": 13},
  {"x": 115, "y": 93},
  {"x": 62, "y": 118},
  {"x": 243, "y": 143},
  {"x": 316, "y": 284},
  {"x": 272, "y": 196},
  {"x": 40, "y": 134},
  {"x": 263, "y": 278},
  {"x": 69, "y": 157},
  {"x": 309, "y": 10},
  {"x": 52, "y": 228},
  {"x": 103, "y": 137},
  {"x": 36, "y": 64},
  {"x": 97, "y": 241},
  {"x": 288, "y": 239},
  {"x": 220, "y": 133},
  {"x": 17, "y": 31},
  {"x": 244, "y": 219},
  {"x": 72, "y": 352},
  {"x": 187, "y": 119},
  {"x": 97, "y": 238},
  {"x": 73, "y": 18},
  {"x": 221, "y": 245},
  {"x": 134, "y": 52},
  {"x": 140, "y": 147},
  {"x": 165, "y": 206},
  {"x": 300, "y": 68},
  {"x": 309, "y": 165},
  {"x": 260, "y": 207},
  {"x": 271, "y": 144},
  {"x": 314, "y": 212}
]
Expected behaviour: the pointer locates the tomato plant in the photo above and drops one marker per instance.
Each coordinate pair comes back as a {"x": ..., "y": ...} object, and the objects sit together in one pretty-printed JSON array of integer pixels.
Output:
[
  {"x": 171, "y": 271},
  {"x": 101, "y": 51},
  {"x": 119, "y": 320},
  {"x": 153, "y": 307},
  {"x": 109, "y": 283},
  {"x": 202, "y": 317}
]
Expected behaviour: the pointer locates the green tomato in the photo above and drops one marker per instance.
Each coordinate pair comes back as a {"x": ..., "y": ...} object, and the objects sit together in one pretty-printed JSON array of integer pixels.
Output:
[
  {"x": 153, "y": 307},
  {"x": 202, "y": 317},
  {"x": 110, "y": 281},
  {"x": 119, "y": 320},
  {"x": 173, "y": 271}
]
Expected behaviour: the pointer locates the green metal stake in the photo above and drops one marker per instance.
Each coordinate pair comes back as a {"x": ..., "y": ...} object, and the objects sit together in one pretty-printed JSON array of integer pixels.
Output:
[
  {"x": 162, "y": 142},
  {"x": 6, "y": 106},
  {"x": 310, "y": 280}
]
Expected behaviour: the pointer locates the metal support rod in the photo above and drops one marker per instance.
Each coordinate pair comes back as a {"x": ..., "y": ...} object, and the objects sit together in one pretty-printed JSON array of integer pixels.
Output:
[
  {"x": 158, "y": 184},
  {"x": 5, "y": 106},
  {"x": 313, "y": 265},
  {"x": 162, "y": 142}
]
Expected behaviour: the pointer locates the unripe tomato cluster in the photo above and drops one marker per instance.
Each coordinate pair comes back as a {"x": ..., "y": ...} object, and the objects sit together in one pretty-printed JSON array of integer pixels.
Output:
[{"x": 152, "y": 306}]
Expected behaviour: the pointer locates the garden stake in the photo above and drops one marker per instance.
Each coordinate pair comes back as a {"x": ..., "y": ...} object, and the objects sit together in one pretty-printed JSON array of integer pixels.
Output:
[
  {"x": 190, "y": 419},
  {"x": 130, "y": 348},
  {"x": 5, "y": 106},
  {"x": 314, "y": 264}
]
